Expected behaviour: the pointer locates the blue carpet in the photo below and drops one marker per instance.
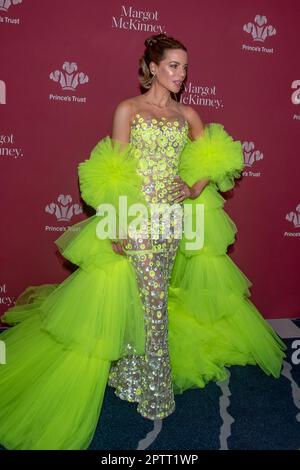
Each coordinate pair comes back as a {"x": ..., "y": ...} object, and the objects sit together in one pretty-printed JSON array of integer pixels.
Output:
[
  {"x": 262, "y": 413},
  {"x": 248, "y": 411}
]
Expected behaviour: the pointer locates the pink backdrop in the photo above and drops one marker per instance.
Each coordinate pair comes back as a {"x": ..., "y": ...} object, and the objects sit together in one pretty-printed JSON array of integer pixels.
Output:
[{"x": 243, "y": 73}]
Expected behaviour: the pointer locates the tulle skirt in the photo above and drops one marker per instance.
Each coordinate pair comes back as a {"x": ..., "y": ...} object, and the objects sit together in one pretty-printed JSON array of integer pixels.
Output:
[{"x": 66, "y": 336}]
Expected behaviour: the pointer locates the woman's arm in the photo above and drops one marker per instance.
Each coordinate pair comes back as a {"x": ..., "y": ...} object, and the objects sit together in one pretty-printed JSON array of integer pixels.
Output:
[
  {"x": 196, "y": 125},
  {"x": 121, "y": 123},
  {"x": 121, "y": 133}
]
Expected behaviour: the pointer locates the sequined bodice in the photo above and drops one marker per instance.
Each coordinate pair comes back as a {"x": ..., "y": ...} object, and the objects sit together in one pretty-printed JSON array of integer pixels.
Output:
[{"x": 157, "y": 144}]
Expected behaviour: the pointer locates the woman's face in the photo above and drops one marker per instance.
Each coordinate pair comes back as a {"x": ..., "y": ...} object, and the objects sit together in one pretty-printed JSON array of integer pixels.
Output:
[{"x": 172, "y": 70}]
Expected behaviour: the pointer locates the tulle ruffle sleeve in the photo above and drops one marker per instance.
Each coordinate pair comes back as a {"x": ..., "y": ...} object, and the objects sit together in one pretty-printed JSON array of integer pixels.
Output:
[
  {"x": 108, "y": 174},
  {"x": 214, "y": 156}
]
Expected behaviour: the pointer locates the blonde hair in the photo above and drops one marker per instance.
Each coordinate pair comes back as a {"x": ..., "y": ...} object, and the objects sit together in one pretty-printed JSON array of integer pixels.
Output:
[{"x": 155, "y": 47}]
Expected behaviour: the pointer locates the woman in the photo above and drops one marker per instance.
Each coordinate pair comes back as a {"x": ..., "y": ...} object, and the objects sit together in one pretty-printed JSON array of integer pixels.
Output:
[{"x": 166, "y": 316}]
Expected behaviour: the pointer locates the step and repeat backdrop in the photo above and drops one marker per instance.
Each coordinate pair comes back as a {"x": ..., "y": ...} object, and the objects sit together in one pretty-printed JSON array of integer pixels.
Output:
[{"x": 66, "y": 64}]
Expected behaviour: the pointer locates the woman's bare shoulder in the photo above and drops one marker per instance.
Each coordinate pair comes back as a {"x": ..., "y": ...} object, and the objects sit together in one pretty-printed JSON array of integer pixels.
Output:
[
  {"x": 127, "y": 107},
  {"x": 123, "y": 107},
  {"x": 196, "y": 124},
  {"x": 189, "y": 112},
  {"x": 122, "y": 118}
]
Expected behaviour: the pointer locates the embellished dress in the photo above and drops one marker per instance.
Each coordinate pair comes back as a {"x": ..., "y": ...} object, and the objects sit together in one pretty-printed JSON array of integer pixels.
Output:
[
  {"x": 171, "y": 315},
  {"x": 147, "y": 379}
]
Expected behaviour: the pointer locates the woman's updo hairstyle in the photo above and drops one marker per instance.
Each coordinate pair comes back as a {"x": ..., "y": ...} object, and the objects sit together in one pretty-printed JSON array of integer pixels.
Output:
[{"x": 155, "y": 47}]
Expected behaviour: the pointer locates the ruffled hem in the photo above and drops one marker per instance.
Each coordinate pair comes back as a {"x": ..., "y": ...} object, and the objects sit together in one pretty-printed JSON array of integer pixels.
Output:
[
  {"x": 201, "y": 351},
  {"x": 51, "y": 397},
  {"x": 61, "y": 351},
  {"x": 97, "y": 313}
]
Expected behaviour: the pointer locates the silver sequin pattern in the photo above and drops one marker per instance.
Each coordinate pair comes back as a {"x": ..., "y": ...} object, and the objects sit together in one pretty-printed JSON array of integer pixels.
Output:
[{"x": 147, "y": 379}]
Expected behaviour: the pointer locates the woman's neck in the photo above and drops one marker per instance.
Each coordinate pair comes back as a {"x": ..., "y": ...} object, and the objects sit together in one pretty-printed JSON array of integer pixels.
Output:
[{"x": 159, "y": 100}]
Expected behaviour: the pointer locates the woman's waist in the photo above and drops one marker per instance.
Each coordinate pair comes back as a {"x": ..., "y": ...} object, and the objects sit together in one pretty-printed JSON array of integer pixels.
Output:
[{"x": 159, "y": 190}]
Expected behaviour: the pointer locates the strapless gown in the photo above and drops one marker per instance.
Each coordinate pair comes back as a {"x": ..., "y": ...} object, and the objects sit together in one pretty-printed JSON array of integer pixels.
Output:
[{"x": 153, "y": 323}]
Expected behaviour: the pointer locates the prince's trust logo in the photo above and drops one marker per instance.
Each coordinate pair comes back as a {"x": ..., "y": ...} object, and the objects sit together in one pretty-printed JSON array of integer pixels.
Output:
[
  {"x": 295, "y": 97},
  {"x": 250, "y": 157},
  {"x": 63, "y": 210},
  {"x": 69, "y": 79},
  {"x": 294, "y": 218},
  {"x": 5, "y": 4},
  {"x": 260, "y": 31}
]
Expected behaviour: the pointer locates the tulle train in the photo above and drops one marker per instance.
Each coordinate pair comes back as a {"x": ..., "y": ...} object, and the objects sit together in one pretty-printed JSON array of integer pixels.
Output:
[{"x": 66, "y": 335}]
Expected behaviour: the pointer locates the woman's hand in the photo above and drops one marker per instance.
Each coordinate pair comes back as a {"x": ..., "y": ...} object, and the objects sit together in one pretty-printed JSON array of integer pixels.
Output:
[
  {"x": 118, "y": 248},
  {"x": 182, "y": 191}
]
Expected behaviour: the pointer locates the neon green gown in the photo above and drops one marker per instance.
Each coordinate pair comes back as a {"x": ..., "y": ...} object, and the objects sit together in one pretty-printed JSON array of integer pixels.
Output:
[{"x": 166, "y": 317}]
